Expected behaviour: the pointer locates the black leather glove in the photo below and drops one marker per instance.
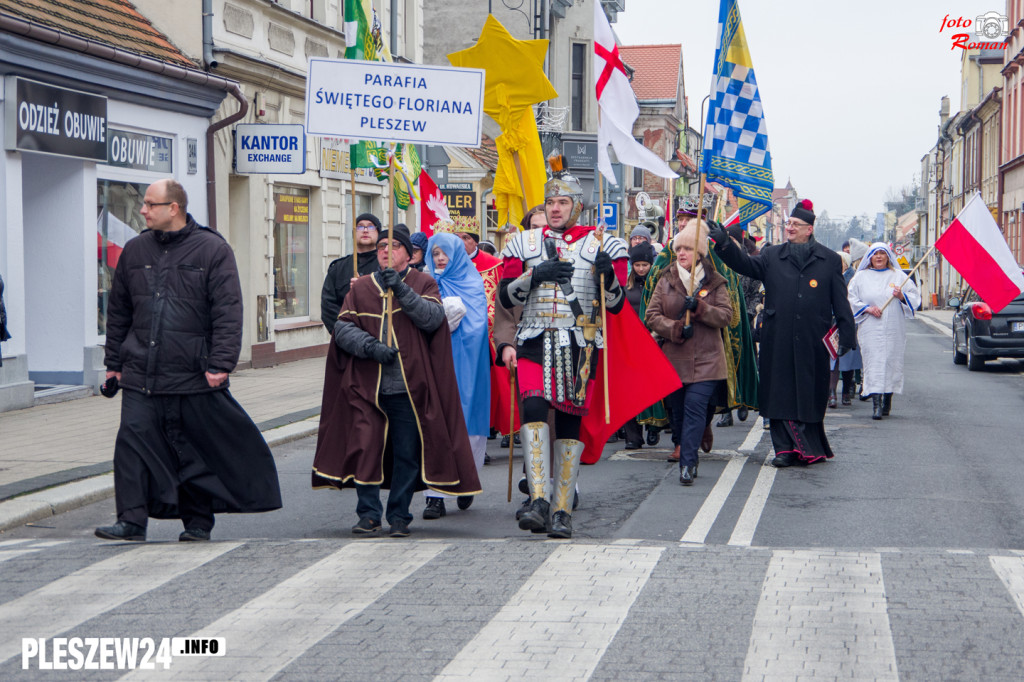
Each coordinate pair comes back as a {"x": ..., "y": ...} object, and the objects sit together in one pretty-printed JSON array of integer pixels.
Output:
[
  {"x": 603, "y": 266},
  {"x": 683, "y": 330},
  {"x": 717, "y": 232},
  {"x": 385, "y": 355},
  {"x": 556, "y": 271},
  {"x": 689, "y": 303},
  {"x": 843, "y": 350},
  {"x": 687, "y": 331},
  {"x": 110, "y": 387},
  {"x": 389, "y": 278}
]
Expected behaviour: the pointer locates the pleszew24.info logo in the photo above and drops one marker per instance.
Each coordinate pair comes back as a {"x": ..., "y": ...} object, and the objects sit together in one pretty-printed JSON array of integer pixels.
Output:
[
  {"x": 113, "y": 653},
  {"x": 990, "y": 31}
]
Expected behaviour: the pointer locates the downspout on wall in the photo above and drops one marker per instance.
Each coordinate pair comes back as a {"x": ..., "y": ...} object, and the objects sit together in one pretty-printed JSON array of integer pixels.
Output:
[{"x": 119, "y": 56}]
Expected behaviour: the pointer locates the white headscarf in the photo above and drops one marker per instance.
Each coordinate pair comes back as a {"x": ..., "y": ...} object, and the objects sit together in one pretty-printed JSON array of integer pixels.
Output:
[{"x": 865, "y": 263}]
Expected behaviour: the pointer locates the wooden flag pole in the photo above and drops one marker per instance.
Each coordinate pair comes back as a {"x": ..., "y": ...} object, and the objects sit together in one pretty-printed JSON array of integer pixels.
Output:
[
  {"x": 919, "y": 263},
  {"x": 355, "y": 234},
  {"x": 604, "y": 297},
  {"x": 511, "y": 425},
  {"x": 391, "y": 229},
  {"x": 693, "y": 263}
]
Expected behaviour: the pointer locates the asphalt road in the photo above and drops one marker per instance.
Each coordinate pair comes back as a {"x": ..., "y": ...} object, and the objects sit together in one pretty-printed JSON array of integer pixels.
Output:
[{"x": 903, "y": 557}]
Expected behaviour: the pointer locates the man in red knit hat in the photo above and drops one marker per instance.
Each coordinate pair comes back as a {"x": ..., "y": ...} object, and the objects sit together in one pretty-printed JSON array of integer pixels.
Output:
[{"x": 804, "y": 291}]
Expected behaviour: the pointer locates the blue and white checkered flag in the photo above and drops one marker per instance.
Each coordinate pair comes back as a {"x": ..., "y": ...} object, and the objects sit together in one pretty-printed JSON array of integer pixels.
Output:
[{"x": 735, "y": 150}]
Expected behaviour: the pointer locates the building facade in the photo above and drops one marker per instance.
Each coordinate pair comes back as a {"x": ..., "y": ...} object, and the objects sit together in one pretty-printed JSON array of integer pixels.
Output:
[{"x": 92, "y": 116}]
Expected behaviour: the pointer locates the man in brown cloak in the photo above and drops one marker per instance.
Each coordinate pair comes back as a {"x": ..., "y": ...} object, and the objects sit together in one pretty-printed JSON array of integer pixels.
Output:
[{"x": 391, "y": 415}]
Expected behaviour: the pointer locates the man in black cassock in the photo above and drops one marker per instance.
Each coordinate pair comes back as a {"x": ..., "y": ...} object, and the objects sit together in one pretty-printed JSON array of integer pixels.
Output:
[
  {"x": 185, "y": 449},
  {"x": 804, "y": 290},
  {"x": 339, "y": 272}
]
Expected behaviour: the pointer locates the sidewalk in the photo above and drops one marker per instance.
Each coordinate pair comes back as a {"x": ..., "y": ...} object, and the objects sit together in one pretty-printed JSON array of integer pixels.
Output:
[
  {"x": 48, "y": 447},
  {"x": 939, "y": 319}
]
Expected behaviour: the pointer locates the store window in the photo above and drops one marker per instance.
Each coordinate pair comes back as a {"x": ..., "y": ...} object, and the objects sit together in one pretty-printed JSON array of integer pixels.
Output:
[
  {"x": 291, "y": 253},
  {"x": 117, "y": 221}
]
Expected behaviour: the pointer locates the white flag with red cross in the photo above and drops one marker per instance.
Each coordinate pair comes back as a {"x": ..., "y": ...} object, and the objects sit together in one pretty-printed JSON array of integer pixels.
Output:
[{"x": 618, "y": 107}]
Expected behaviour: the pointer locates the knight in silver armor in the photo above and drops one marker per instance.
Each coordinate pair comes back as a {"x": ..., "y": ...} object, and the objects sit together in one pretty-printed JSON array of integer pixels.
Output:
[{"x": 555, "y": 274}]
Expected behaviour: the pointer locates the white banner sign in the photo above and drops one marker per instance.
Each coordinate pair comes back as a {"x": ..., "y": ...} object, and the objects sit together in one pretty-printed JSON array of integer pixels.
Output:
[
  {"x": 270, "y": 148},
  {"x": 386, "y": 102}
]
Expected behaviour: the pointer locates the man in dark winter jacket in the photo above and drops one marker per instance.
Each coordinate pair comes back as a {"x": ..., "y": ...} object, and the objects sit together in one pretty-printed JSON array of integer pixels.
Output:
[
  {"x": 185, "y": 449},
  {"x": 803, "y": 290},
  {"x": 340, "y": 272}
]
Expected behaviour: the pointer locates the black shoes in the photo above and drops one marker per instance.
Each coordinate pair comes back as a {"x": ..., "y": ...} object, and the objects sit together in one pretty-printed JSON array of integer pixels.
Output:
[
  {"x": 537, "y": 518},
  {"x": 464, "y": 502},
  {"x": 726, "y": 419},
  {"x": 366, "y": 526},
  {"x": 847, "y": 396},
  {"x": 633, "y": 446},
  {"x": 124, "y": 530},
  {"x": 505, "y": 441},
  {"x": 561, "y": 525},
  {"x": 434, "y": 509},
  {"x": 741, "y": 413},
  {"x": 487, "y": 459},
  {"x": 686, "y": 475},
  {"x": 653, "y": 435},
  {"x": 886, "y": 404},
  {"x": 194, "y": 535},
  {"x": 784, "y": 460},
  {"x": 876, "y": 403},
  {"x": 399, "y": 529},
  {"x": 525, "y": 507}
]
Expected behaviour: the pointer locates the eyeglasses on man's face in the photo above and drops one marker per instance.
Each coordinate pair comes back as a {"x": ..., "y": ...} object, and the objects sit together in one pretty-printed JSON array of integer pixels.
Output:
[
  {"x": 796, "y": 223},
  {"x": 151, "y": 204},
  {"x": 365, "y": 228}
]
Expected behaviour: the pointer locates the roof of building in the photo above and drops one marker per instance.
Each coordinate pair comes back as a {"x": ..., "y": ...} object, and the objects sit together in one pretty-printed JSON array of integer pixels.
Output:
[
  {"x": 486, "y": 154},
  {"x": 658, "y": 70},
  {"x": 113, "y": 22}
]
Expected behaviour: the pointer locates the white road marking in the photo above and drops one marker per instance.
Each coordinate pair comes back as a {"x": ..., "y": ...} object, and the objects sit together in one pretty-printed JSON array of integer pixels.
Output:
[
  {"x": 98, "y": 588},
  {"x": 708, "y": 512},
  {"x": 822, "y": 615},
  {"x": 1011, "y": 571},
  {"x": 269, "y": 632},
  {"x": 753, "y": 436},
  {"x": 562, "y": 619},
  {"x": 746, "y": 525},
  {"x": 4, "y": 544}
]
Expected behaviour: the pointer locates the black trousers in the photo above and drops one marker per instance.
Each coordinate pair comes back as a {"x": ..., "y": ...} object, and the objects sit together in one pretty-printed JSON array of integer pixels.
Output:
[{"x": 405, "y": 449}]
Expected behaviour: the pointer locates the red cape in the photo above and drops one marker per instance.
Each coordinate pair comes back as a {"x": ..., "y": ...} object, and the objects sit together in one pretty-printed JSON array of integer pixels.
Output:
[{"x": 639, "y": 375}]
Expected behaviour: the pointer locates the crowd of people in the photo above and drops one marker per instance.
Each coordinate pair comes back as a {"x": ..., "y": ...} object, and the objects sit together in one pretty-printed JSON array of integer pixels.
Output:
[{"x": 439, "y": 343}]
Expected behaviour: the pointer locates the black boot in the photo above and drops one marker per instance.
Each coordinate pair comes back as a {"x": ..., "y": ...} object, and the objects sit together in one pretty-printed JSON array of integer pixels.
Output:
[
  {"x": 886, "y": 404},
  {"x": 561, "y": 525},
  {"x": 538, "y": 517},
  {"x": 876, "y": 402},
  {"x": 726, "y": 419},
  {"x": 786, "y": 459},
  {"x": 686, "y": 475},
  {"x": 653, "y": 435},
  {"x": 742, "y": 412},
  {"x": 122, "y": 530},
  {"x": 847, "y": 394}
]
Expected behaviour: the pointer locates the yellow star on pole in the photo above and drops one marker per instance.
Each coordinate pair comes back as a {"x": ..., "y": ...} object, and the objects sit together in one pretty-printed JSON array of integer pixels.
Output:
[{"x": 514, "y": 68}]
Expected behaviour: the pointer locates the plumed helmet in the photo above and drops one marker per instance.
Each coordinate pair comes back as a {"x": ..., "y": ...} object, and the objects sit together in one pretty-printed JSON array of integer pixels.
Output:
[{"x": 563, "y": 184}]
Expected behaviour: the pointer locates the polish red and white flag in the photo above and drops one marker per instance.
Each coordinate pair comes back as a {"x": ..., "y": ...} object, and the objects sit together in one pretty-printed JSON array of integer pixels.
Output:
[
  {"x": 977, "y": 249},
  {"x": 433, "y": 206}
]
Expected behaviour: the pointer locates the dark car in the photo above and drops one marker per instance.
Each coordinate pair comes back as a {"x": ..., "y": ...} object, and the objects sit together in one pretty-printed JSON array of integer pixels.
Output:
[{"x": 980, "y": 335}]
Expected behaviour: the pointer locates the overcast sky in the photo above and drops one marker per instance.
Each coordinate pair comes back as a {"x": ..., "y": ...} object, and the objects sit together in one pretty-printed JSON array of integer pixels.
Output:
[{"x": 851, "y": 91}]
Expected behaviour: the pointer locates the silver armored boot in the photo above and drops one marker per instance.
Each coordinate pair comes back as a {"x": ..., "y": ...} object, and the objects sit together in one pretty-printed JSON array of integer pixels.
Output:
[
  {"x": 567, "y": 469},
  {"x": 536, "y": 451}
]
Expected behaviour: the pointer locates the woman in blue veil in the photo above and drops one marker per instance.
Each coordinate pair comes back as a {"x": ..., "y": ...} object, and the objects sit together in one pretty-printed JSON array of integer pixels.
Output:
[{"x": 462, "y": 294}]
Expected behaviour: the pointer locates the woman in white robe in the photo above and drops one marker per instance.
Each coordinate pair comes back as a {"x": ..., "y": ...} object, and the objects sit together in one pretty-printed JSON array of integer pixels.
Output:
[{"x": 882, "y": 334}]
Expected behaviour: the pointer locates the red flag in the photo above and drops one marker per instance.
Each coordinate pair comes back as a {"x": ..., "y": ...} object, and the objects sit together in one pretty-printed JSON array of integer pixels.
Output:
[
  {"x": 433, "y": 206},
  {"x": 977, "y": 249},
  {"x": 639, "y": 375}
]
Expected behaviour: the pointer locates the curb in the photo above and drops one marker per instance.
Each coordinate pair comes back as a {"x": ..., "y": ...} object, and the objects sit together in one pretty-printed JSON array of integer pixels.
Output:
[{"x": 62, "y": 498}]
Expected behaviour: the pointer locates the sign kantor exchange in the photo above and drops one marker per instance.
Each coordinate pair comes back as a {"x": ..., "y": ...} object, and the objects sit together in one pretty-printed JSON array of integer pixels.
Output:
[
  {"x": 387, "y": 102},
  {"x": 270, "y": 148}
]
